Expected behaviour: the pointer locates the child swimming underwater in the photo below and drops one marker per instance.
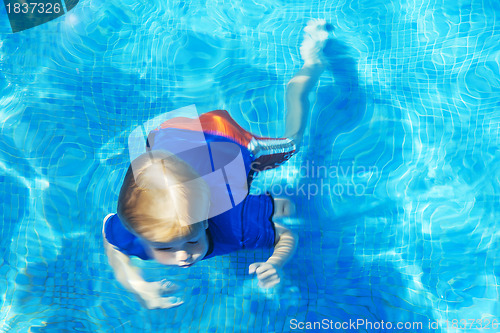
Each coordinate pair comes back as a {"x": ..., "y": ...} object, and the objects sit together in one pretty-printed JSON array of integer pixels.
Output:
[{"x": 170, "y": 224}]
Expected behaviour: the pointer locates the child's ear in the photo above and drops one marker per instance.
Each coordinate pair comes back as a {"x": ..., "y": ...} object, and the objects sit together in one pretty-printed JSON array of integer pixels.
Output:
[{"x": 205, "y": 224}]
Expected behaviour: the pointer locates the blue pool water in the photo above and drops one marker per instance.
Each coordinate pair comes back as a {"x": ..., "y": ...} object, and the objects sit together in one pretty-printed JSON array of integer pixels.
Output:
[{"x": 405, "y": 122}]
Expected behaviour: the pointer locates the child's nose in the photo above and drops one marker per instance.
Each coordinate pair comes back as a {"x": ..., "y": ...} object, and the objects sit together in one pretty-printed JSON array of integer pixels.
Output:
[{"x": 182, "y": 255}]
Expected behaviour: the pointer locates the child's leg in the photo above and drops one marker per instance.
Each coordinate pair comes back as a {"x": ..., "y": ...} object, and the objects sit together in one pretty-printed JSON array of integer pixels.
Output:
[
  {"x": 299, "y": 87},
  {"x": 297, "y": 101}
]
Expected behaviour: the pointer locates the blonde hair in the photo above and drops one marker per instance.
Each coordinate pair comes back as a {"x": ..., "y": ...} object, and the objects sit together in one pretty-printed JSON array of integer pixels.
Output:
[{"x": 162, "y": 198}]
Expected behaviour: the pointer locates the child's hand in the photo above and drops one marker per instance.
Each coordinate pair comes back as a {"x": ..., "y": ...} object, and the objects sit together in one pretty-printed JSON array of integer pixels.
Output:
[
  {"x": 268, "y": 274},
  {"x": 150, "y": 294}
]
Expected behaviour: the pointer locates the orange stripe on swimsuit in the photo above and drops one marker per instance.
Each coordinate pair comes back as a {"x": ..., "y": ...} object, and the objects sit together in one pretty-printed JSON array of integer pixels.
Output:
[{"x": 217, "y": 122}]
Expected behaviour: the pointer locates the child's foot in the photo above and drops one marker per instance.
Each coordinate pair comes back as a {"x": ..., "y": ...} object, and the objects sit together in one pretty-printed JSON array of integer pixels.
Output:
[{"x": 316, "y": 33}]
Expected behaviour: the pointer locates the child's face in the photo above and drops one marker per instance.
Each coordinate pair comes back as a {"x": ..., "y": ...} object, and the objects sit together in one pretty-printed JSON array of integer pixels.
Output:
[{"x": 183, "y": 252}]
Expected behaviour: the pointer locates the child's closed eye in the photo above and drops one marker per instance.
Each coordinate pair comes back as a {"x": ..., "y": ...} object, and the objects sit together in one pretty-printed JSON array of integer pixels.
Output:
[{"x": 169, "y": 248}]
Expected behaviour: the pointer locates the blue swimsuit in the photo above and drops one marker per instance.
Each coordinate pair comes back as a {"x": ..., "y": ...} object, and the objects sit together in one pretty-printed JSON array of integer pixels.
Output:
[{"x": 248, "y": 225}]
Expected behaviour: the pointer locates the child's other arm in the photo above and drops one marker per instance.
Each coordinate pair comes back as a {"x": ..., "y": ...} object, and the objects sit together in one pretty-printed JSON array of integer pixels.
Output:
[
  {"x": 268, "y": 272},
  {"x": 148, "y": 293},
  {"x": 286, "y": 243}
]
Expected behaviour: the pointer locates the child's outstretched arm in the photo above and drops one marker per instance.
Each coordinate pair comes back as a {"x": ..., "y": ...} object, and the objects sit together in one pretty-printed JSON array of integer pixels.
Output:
[
  {"x": 268, "y": 272},
  {"x": 148, "y": 293}
]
